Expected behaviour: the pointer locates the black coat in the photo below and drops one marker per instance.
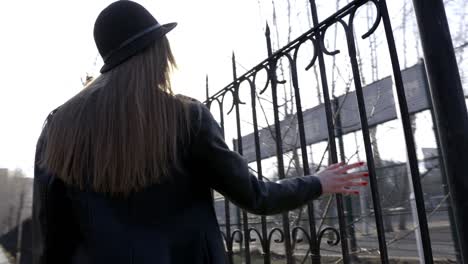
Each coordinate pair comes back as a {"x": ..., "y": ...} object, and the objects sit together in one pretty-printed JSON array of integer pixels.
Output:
[{"x": 174, "y": 222}]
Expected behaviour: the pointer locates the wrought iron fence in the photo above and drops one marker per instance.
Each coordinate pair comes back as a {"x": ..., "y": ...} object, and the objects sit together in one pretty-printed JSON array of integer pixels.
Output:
[{"x": 248, "y": 230}]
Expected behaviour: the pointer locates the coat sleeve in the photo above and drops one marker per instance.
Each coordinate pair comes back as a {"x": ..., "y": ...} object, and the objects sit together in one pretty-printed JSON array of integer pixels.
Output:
[
  {"x": 54, "y": 234},
  {"x": 228, "y": 173}
]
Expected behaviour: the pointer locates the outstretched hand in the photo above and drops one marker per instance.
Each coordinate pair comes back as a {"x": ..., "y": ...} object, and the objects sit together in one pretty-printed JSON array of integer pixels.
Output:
[{"x": 336, "y": 179}]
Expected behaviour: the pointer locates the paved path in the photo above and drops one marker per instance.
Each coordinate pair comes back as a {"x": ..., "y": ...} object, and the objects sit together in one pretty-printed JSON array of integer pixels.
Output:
[{"x": 3, "y": 258}]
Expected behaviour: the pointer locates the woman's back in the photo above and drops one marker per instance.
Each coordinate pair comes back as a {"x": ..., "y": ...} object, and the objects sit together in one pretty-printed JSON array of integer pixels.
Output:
[{"x": 170, "y": 222}]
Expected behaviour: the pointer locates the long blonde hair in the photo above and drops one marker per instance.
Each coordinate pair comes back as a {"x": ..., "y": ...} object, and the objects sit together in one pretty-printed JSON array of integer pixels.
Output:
[{"x": 125, "y": 131}]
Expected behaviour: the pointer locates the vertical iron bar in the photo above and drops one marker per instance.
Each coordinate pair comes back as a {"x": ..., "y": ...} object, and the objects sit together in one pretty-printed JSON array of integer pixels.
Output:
[
  {"x": 221, "y": 114},
  {"x": 443, "y": 173},
  {"x": 409, "y": 139},
  {"x": 449, "y": 107},
  {"x": 367, "y": 145},
  {"x": 227, "y": 220},
  {"x": 258, "y": 158},
  {"x": 229, "y": 241},
  {"x": 347, "y": 200},
  {"x": 235, "y": 147},
  {"x": 207, "y": 100},
  {"x": 245, "y": 218},
  {"x": 227, "y": 209},
  {"x": 207, "y": 88},
  {"x": 279, "y": 143},
  {"x": 305, "y": 161},
  {"x": 331, "y": 140}
]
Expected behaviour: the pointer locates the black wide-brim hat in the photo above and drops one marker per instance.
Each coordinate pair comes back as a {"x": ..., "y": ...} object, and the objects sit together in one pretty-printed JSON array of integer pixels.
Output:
[{"x": 123, "y": 29}]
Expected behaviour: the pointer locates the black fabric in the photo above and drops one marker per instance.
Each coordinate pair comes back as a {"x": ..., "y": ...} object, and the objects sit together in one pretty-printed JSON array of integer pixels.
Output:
[
  {"x": 174, "y": 222},
  {"x": 123, "y": 29},
  {"x": 54, "y": 232},
  {"x": 9, "y": 242}
]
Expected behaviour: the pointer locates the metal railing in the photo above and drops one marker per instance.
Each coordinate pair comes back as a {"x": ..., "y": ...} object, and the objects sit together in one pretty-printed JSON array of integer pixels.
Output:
[{"x": 245, "y": 233}]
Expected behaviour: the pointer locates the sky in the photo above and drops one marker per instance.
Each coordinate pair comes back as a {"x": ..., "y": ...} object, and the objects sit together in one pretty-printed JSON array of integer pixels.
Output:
[{"x": 47, "y": 48}]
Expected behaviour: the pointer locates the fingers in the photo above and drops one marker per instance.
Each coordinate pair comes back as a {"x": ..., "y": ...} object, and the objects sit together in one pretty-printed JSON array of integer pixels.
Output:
[
  {"x": 335, "y": 166},
  {"x": 349, "y": 192},
  {"x": 349, "y": 184},
  {"x": 346, "y": 168},
  {"x": 355, "y": 175},
  {"x": 356, "y": 183},
  {"x": 347, "y": 187}
]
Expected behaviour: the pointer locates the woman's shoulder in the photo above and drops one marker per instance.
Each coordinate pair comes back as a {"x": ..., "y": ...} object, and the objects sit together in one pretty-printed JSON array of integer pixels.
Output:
[
  {"x": 199, "y": 112},
  {"x": 186, "y": 98},
  {"x": 50, "y": 116},
  {"x": 195, "y": 107}
]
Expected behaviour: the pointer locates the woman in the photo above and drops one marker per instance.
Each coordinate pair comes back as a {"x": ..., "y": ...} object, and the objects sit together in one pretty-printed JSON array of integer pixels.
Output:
[{"x": 124, "y": 170}]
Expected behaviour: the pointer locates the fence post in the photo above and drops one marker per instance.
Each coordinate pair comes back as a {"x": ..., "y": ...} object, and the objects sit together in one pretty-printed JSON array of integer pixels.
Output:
[
  {"x": 450, "y": 112},
  {"x": 347, "y": 200},
  {"x": 443, "y": 174},
  {"x": 279, "y": 143},
  {"x": 331, "y": 138},
  {"x": 207, "y": 89}
]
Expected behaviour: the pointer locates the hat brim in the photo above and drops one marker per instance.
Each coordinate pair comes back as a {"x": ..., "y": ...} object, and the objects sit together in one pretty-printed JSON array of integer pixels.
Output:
[{"x": 137, "y": 45}]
